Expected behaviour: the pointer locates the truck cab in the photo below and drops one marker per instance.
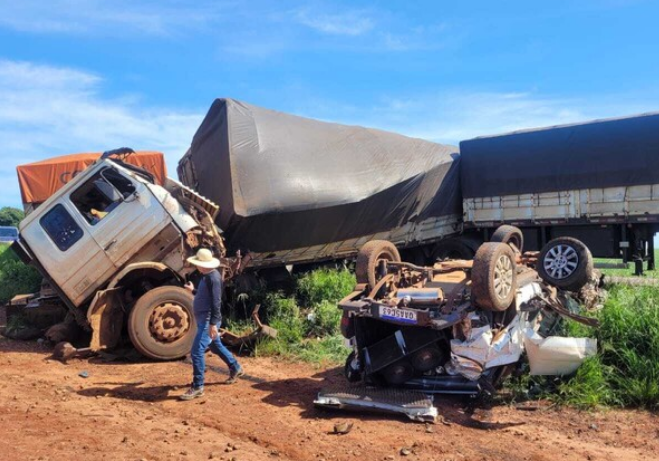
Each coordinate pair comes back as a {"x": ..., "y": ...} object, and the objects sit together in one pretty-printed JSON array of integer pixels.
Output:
[{"x": 113, "y": 245}]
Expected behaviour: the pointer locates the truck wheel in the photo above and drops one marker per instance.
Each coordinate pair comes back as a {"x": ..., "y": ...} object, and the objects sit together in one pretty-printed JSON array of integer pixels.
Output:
[
  {"x": 566, "y": 263},
  {"x": 452, "y": 249},
  {"x": 161, "y": 325},
  {"x": 494, "y": 277},
  {"x": 509, "y": 234},
  {"x": 369, "y": 257}
]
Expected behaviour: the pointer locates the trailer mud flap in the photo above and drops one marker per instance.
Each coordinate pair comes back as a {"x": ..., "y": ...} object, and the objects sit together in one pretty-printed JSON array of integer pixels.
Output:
[
  {"x": 415, "y": 405},
  {"x": 106, "y": 317}
]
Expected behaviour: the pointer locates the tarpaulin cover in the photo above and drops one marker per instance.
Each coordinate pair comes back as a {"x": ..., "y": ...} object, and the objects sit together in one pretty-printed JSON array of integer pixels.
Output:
[
  {"x": 604, "y": 153},
  {"x": 285, "y": 182},
  {"x": 39, "y": 180}
]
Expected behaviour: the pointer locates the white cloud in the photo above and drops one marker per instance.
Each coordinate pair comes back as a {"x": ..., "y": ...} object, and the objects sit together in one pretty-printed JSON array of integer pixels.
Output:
[
  {"x": 351, "y": 22},
  {"x": 47, "y": 111},
  {"x": 452, "y": 116},
  {"x": 117, "y": 17}
]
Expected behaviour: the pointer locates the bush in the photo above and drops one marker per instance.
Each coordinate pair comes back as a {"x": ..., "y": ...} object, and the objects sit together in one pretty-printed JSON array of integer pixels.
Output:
[
  {"x": 625, "y": 371},
  {"x": 310, "y": 333},
  {"x": 324, "y": 285},
  {"x": 10, "y": 216},
  {"x": 15, "y": 277},
  {"x": 324, "y": 320}
]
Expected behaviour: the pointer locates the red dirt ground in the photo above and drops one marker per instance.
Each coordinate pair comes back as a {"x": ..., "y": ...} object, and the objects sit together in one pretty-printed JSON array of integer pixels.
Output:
[{"x": 129, "y": 411}]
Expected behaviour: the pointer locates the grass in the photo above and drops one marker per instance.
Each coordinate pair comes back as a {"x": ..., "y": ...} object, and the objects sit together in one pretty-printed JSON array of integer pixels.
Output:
[
  {"x": 15, "y": 277},
  {"x": 625, "y": 372},
  {"x": 307, "y": 318}
]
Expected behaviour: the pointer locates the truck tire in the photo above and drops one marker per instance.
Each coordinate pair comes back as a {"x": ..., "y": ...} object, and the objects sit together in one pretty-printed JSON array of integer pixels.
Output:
[
  {"x": 161, "y": 325},
  {"x": 452, "y": 249},
  {"x": 566, "y": 263},
  {"x": 494, "y": 277},
  {"x": 368, "y": 258},
  {"x": 509, "y": 234}
]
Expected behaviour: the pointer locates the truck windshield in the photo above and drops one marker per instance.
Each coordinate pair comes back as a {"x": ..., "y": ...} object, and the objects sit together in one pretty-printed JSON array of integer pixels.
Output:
[{"x": 101, "y": 194}]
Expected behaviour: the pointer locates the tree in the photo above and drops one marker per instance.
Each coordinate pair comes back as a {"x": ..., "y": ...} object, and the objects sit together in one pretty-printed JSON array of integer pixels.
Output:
[{"x": 10, "y": 216}]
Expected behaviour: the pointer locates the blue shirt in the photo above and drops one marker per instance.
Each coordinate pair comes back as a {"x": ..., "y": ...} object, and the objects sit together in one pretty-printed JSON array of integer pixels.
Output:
[{"x": 208, "y": 299}]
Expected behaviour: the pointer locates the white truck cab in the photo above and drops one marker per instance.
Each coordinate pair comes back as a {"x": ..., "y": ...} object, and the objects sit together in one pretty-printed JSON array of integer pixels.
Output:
[{"x": 113, "y": 244}]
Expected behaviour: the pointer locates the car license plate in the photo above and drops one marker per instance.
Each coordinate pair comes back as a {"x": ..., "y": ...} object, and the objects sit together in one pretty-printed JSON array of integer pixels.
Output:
[{"x": 400, "y": 315}]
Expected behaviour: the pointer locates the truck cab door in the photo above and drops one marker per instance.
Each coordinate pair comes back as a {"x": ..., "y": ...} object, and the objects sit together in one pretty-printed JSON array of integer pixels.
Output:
[
  {"x": 122, "y": 213},
  {"x": 64, "y": 247}
]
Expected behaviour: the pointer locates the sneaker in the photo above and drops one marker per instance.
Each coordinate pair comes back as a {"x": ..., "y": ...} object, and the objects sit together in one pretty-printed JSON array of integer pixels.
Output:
[
  {"x": 234, "y": 375},
  {"x": 192, "y": 393}
]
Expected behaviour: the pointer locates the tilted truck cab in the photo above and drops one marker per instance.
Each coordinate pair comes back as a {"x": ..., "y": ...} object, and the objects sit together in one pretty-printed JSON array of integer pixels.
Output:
[{"x": 113, "y": 244}]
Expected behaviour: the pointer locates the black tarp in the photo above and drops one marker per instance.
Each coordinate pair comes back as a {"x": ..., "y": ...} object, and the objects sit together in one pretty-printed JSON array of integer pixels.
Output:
[
  {"x": 285, "y": 182},
  {"x": 602, "y": 153}
]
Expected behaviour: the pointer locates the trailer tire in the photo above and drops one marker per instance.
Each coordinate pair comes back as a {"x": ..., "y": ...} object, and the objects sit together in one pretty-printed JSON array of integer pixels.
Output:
[
  {"x": 452, "y": 249},
  {"x": 510, "y": 235},
  {"x": 566, "y": 263},
  {"x": 368, "y": 257},
  {"x": 494, "y": 277},
  {"x": 161, "y": 325}
]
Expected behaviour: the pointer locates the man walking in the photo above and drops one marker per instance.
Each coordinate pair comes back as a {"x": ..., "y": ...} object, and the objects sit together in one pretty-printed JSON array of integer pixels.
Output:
[{"x": 207, "y": 303}]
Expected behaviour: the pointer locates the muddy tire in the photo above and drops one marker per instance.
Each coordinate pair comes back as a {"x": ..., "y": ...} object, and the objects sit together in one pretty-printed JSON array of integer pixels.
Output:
[
  {"x": 351, "y": 374},
  {"x": 510, "y": 235},
  {"x": 368, "y": 258},
  {"x": 452, "y": 249},
  {"x": 494, "y": 277},
  {"x": 161, "y": 325},
  {"x": 566, "y": 263}
]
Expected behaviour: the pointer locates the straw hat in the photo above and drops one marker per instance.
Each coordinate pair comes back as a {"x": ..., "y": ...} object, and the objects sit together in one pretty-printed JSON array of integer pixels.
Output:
[{"x": 204, "y": 258}]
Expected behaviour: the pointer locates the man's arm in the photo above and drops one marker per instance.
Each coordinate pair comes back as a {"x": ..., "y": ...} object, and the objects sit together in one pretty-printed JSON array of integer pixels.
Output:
[{"x": 216, "y": 297}]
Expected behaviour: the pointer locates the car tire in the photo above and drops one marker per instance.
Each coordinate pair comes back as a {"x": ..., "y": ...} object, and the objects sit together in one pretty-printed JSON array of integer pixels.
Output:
[
  {"x": 510, "y": 235},
  {"x": 494, "y": 277},
  {"x": 351, "y": 375},
  {"x": 566, "y": 263},
  {"x": 368, "y": 258},
  {"x": 161, "y": 325}
]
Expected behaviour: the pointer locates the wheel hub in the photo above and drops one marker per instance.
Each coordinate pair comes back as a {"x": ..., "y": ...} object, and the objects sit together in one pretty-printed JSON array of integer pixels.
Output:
[
  {"x": 561, "y": 261},
  {"x": 503, "y": 277},
  {"x": 169, "y": 322}
]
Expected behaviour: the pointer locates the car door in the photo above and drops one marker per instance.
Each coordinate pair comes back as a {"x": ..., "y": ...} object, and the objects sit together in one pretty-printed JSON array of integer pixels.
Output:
[{"x": 122, "y": 213}]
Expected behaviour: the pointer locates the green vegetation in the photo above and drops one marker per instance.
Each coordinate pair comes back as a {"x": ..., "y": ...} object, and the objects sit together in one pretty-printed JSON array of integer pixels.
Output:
[
  {"x": 15, "y": 277},
  {"x": 625, "y": 372},
  {"x": 307, "y": 319},
  {"x": 10, "y": 216}
]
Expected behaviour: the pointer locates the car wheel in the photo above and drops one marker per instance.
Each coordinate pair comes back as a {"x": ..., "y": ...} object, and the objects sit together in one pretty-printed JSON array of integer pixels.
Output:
[
  {"x": 566, "y": 263},
  {"x": 494, "y": 277},
  {"x": 510, "y": 235},
  {"x": 369, "y": 257}
]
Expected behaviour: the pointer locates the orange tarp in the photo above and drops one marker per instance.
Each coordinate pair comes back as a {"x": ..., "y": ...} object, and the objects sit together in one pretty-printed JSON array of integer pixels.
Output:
[{"x": 40, "y": 180}]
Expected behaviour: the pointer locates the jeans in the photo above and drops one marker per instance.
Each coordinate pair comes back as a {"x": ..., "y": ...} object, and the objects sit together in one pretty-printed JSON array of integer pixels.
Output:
[{"x": 198, "y": 354}]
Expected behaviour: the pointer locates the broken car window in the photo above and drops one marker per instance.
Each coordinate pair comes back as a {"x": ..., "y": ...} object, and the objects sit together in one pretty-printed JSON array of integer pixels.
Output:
[
  {"x": 61, "y": 227},
  {"x": 101, "y": 194}
]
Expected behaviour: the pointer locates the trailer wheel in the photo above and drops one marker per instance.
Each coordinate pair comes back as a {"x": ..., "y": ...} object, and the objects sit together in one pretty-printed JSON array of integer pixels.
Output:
[
  {"x": 566, "y": 263},
  {"x": 452, "y": 249},
  {"x": 494, "y": 277},
  {"x": 369, "y": 257},
  {"x": 398, "y": 373},
  {"x": 510, "y": 235},
  {"x": 161, "y": 325}
]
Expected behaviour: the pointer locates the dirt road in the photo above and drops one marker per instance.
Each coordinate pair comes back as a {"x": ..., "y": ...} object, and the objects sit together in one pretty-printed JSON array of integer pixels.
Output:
[{"x": 129, "y": 412}]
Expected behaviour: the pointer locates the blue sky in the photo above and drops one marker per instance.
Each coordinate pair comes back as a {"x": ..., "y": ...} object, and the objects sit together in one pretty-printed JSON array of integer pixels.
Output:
[{"x": 85, "y": 75}]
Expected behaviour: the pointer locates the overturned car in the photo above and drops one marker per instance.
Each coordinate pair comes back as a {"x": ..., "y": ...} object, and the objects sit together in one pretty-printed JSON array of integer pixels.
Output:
[{"x": 461, "y": 326}]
